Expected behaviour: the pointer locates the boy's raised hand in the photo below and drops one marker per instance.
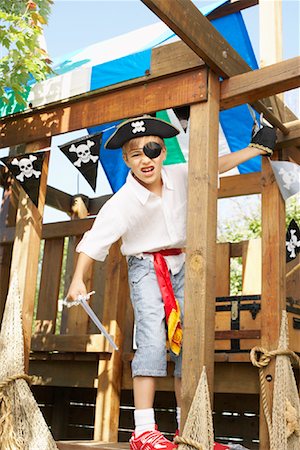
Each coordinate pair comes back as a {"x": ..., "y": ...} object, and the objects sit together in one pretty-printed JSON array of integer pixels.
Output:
[
  {"x": 77, "y": 287},
  {"x": 264, "y": 139}
]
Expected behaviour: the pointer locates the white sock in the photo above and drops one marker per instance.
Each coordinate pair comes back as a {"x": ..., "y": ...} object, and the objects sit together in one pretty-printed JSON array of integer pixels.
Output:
[
  {"x": 144, "y": 420},
  {"x": 178, "y": 416}
]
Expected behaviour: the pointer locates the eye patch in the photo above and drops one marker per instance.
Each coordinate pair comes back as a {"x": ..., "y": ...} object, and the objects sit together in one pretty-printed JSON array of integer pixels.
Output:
[{"x": 152, "y": 149}]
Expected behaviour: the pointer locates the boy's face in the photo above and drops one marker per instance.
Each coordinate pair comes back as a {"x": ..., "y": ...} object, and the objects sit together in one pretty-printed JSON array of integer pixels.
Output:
[{"x": 146, "y": 170}]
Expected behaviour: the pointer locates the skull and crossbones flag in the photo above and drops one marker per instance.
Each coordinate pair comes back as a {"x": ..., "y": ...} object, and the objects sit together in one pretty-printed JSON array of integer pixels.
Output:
[
  {"x": 84, "y": 155},
  {"x": 27, "y": 170},
  {"x": 287, "y": 175},
  {"x": 292, "y": 241}
]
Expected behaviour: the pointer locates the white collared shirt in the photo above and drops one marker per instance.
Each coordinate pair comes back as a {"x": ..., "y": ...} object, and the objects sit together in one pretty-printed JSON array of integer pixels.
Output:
[{"x": 144, "y": 221}]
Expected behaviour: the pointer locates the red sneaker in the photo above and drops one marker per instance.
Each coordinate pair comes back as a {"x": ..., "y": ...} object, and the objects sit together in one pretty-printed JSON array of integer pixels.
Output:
[
  {"x": 220, "y": 447},
  {"x": 151, "y": 440}
]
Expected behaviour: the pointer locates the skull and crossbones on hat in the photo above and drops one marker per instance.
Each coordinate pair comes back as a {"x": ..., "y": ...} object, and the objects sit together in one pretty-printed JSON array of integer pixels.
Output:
[
  {"x": 26, "y": 168},
  {"x": 84, "y": 153}
]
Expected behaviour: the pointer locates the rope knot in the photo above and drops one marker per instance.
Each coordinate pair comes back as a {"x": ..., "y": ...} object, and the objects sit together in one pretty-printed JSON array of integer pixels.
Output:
[
  {"x": 188, "y": 441},
  {"x": 7, "y": 381}
]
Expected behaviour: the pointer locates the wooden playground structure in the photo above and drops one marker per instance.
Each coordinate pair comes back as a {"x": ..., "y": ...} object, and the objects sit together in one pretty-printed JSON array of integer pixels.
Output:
[{"x": 82, "y": 386}]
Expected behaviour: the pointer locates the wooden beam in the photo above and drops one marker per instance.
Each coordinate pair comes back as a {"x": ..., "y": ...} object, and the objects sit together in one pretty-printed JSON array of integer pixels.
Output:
[
  {"x": 184, "y": 18},
  {"x": 292, "y": 139},
  {"x": 8, "y": 211},
  {"x": 110, "y": 372},
  {"x": 178, "y": 90},
  {"x": 236, "y": 185},
  {"x": 26, "y": 247},
  {"x": 89, "y": 343},
  {"x": 230, "y": 8},
  {"x": 251, "y": 86},
  {"x": 199, "y": 310},
  {"x": 273, "y": 277}
]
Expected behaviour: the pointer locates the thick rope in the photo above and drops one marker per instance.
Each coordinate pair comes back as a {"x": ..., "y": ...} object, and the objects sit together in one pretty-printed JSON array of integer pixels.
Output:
[
  {"x": 11, "y": 379},
  {"x": 260, "y": 358},
  {"x": 188, "y": 441},
  {"x": 8, "y": 439}
]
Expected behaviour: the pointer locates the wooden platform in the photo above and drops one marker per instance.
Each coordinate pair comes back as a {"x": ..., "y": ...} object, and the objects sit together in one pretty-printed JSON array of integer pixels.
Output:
[{"x": 82, "y": 445}]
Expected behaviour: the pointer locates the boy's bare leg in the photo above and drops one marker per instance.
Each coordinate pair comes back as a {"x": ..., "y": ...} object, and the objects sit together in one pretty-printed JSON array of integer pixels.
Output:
[{"x": 144, "y": 392}]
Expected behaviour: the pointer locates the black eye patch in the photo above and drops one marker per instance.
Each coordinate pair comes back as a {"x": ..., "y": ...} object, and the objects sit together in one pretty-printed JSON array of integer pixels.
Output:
[{"x": 152, "y": 149}]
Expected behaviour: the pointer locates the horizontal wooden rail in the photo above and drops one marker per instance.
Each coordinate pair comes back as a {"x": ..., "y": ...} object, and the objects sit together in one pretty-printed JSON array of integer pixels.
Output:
[
  {"x": 104, "y": 107},
  {"x": 90, "y": 343},
  {"x": 237, "y": 334},
  {"x": 251, "y": 86}
]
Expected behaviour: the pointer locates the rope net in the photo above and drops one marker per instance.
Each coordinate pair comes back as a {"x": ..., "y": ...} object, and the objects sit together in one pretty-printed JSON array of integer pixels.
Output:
[
  {"x": 284, "y": 423},
  {"x": 22, "y": 426},
  {"x": 286, "y": 405},
  {"x": 198, "y": 430}
]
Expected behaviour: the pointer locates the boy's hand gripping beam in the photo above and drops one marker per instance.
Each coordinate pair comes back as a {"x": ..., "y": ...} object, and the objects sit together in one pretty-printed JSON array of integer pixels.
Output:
[{"x": 82, "y": 300}]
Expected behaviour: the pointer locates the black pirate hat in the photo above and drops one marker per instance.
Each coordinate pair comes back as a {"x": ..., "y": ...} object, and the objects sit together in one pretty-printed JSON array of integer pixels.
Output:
[{"x": 140, "y": 126}]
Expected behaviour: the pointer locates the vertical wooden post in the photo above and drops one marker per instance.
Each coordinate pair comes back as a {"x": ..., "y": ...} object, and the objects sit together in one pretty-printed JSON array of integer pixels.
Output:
[
  {"x": 27, "y": 246},
  {"x": 273, "y": 296},
  {"x": 199, "y": 325},
  {"x": 7, "y": 219},
  {"x": 8, "y": 211},
  {"x": 270, "y": 41},
  {"x": 273, "y": 213},
  {"x": 110, "y": 370}
]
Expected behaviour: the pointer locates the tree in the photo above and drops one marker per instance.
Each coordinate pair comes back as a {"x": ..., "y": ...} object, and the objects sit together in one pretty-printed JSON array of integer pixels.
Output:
[{"x": 24, "y": 60}]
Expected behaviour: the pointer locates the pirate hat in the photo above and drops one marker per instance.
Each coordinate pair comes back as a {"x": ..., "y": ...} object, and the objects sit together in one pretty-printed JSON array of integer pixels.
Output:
[{"x": 137, "y": 127}]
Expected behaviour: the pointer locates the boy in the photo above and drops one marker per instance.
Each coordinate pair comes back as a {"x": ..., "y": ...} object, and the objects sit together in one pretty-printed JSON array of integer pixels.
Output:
[{"x": 149, "y": 214}]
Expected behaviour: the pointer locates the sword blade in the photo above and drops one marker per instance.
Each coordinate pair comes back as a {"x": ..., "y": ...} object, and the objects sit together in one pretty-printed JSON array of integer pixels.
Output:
[{"x": 97, "y": 322}]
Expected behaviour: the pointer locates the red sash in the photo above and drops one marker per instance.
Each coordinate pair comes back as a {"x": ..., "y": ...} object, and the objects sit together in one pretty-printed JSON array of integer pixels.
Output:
[{"x": 172, "y": 309}]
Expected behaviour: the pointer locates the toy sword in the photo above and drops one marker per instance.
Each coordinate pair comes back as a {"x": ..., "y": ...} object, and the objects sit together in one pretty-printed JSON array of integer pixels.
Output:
[{"x": 82, "y": 300}]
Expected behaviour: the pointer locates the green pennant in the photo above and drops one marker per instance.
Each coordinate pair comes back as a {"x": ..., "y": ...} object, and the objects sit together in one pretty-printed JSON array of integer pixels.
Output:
[{"x": 174, "y": 153}]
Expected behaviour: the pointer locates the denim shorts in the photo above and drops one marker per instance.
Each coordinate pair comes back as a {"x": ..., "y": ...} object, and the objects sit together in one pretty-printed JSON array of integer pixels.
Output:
[{"x": 150, "y": 356}]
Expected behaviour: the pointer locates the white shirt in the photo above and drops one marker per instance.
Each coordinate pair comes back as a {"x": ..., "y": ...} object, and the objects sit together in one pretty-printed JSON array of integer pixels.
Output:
[{"x": 144, "y": 221}]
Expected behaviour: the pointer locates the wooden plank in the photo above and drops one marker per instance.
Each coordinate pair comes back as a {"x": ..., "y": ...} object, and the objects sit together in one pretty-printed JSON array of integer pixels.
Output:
[
  {"x": 223, "y": 269},
  {"x": 236, "y": 249},
  {"x": 273, "y": 220},
  {"x": 8, "y": 210},
  {"x": 27, "y": 246},
  {"x": 58, "y": 199},
  {"x": 153, "y": 95},
  {"x": 245, "y": 378},
  {"x": 230, "y": 8},
  {"x": 237, "y": 334},
  {"x": 251, "y": 279},
  {"x": 74, "y": 227},
  {"x": 273, "y": 275},
  {"x": 251, "y": 86},
  {"x": 69, "y": 373},
  {"x": 198, "y": 346},
  {"x": 90, "y": 343},
  {"x": 110, "y": 372},
  {"x": 77, "y": 320},
  {"x": 292, "y": 139},
  {"x": 49, "y": 286},
  {"x": 236, "y": 185}
]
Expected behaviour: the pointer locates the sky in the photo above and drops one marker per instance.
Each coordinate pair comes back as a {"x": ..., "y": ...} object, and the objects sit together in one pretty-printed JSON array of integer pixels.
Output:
[{"x": 75, "y": 24}]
